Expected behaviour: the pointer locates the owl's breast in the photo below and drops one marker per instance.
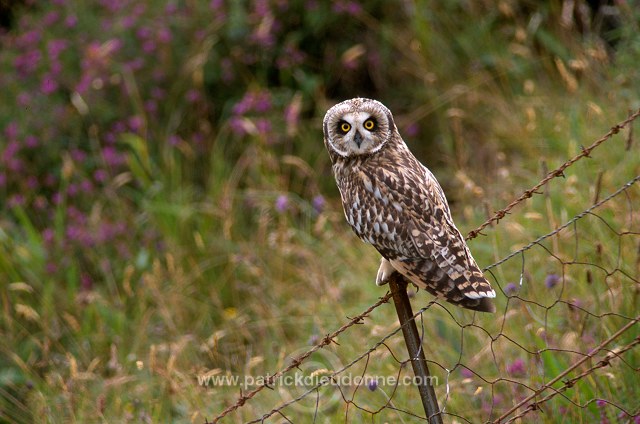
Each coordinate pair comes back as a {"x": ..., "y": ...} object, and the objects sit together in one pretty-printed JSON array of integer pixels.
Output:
[{"x": 372, "y": 210}]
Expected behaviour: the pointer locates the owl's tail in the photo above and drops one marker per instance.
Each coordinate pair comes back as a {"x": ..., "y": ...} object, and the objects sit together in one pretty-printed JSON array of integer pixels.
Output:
[
  {"x": 483, "y": 304},
  {"x": 425, "y": 274}
]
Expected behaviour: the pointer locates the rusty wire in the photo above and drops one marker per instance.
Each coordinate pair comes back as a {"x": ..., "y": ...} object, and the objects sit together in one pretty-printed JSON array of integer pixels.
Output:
[
  {"x": 532, "y": 406},
  {"x": 329, "y": 338},
  {"x": 529, "y": 403},
  {"x": 558, "y": 172},
  {"x": 535, "y": 405}
]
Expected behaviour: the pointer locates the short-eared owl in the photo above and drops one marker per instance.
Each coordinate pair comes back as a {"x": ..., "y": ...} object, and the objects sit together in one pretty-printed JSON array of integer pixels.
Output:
[{"x": 395, "y": 203}]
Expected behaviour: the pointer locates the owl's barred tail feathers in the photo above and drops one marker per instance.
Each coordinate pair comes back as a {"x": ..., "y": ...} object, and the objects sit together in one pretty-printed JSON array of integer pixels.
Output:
[
  {"x": 469, "y": 290},
  {"x": 483, "y": 304}
]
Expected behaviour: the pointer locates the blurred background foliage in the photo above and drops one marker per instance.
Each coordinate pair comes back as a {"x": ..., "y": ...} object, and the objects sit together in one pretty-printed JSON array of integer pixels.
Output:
[{"x": 164, "y": 189}]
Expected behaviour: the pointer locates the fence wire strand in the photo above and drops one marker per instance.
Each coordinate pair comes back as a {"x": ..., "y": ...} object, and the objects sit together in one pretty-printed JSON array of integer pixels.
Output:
[{"x": 564, "y": 327}]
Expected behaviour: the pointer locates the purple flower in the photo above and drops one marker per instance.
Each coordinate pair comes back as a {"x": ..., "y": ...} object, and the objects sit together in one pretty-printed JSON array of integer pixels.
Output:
[
  {"x": 237, "y": 125},
  {"x": 86, "y": 282},
  {"x": 601, "y": 403},
  {"x": 86, "y": 186},
  {"x": 48, "y": 235},
  {"x": 164, "y": 35},
  {"x": 57, "y": 198},
  {"x": 32, "y": 182},
  {"x": 149, "y": 46},
  {"x": 119, "y": 127},
  {"x": 352, "y": 8},
  {"x": 290, "y": 57},
  {"x": 144, "y": 33},
  {"x": 318, "y": 203},
  {"x": 193, "y": 96},
  {"x": 151, "y": 106},
  {"x": 292, "y": 112},
  {"x": 466, "y": 373},
  {"x": 135, "y": 64},
  {"x": 24, "y": 99},
  {"x": 56, "y": 68},
  {"x": 11, "y": 130},
  {"x": 51, "y": 268},
  {"x": 516, "y": 368},
  {"x": 226, "y": 65},
  {"x": 83, "y": 85},
  {"x": 372, "y": 384},
  {"x": 158, "y": 93},
  {"x": 111, "y": 156},
  {"x": 136, "y": 123},
  {"x": 497, "y": 399},
  {"x": 27, "y": 62},
  {"x": 575, "y": 303},
  {"x": 128, "y": 21},
  {"x": 49, "y": 180},
  {"x": 263, "y": 102},
  {"x": 170, "y": 8},
  {"x": 139, "y": 9},
  {"x": 78, "y": 155},
  {"x": 16, "y": 200},
  {"x": 71, "y": 21},
  {"x": 174, "y": 140},
  {"x": 55, "y": 47},
  {"x": 510, "y": 288},
  {"x": 412, "y": 129},
  {"x": 28, "y": 39},
  {"x": 50, "y": 18},
  {"x": 10, "y": 151},
  {"x": 100, "y": 175},
  {"x": 282, "y": 203},
  {"x": 263, "y": 125},
  {"x": 244, "y": 105},
  {"x": 48, "y": 84},
  {"x": 552, "y": 280}
]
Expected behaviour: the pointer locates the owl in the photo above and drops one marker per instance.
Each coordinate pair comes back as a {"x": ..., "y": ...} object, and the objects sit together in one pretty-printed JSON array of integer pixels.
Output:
[{"x": 395, "y": 203}]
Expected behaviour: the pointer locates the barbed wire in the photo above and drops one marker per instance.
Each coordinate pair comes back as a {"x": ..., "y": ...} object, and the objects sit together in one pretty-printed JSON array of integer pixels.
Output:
[
  {"x": 331, "y": 377},
  {"x": 533, "y": 405},
  {"x": 570, "y": 382},
  {"x": 328, "y": 339},
  {"x": 582, "y": 214},
  {"x": 558, "y": 172},
  {"x": 527, "y": 402}
]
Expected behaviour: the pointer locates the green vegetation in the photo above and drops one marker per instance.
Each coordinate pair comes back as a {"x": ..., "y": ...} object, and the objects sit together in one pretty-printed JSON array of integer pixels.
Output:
[{"x": 167, "y": 209}]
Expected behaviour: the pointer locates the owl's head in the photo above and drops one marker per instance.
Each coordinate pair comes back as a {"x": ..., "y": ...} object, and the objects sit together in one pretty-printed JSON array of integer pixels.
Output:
[{"x": 357, "y": 127}]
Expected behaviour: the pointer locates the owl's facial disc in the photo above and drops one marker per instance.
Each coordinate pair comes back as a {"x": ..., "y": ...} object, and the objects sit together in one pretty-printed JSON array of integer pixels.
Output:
[
  {"x": 359, "y": 132},
  {"x": 357, "y": 127}
]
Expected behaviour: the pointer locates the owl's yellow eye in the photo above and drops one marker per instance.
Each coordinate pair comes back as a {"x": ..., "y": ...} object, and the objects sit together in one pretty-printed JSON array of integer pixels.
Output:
[
  {"x": 345, "y": 127},
  {"x": 369, "y": 124}
]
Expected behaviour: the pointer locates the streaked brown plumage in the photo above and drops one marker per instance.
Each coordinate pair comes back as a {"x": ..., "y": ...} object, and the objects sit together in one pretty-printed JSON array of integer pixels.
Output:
[{"x": 395, "y": 203}]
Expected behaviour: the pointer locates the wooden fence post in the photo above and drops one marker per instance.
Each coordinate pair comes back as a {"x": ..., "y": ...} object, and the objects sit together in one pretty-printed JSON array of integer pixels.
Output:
[{"x": 398, "y": 286}]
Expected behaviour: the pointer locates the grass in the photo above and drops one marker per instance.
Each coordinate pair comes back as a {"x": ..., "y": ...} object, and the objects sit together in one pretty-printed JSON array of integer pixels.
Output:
[{"x": 229, "y": 265}]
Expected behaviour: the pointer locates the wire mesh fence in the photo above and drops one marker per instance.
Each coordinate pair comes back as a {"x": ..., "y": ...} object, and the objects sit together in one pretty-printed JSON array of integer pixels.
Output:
[{"x": 563, "y": 347}]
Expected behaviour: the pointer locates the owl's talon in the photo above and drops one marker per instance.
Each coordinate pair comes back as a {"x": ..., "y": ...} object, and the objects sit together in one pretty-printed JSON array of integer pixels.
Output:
[{"x": 384, "y": 272}]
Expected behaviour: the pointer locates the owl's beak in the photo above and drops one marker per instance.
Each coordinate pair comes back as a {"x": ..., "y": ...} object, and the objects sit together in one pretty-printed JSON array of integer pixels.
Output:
[{"x": 357, "y": 138}]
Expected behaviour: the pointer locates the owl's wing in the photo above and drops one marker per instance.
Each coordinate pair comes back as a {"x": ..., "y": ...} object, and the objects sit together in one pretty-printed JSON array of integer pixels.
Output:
[{"x": 424, "y": 243}]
